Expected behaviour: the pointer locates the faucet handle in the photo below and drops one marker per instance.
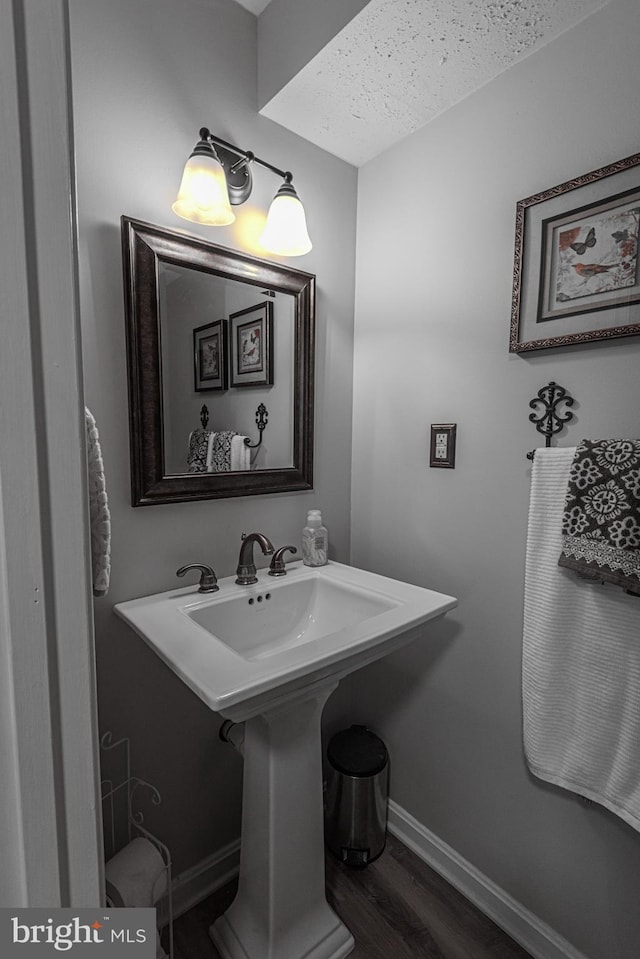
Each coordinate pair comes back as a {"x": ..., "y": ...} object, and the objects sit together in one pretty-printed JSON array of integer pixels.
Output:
[
  {"x": 277, "y": 567},
  {"x": 208, "y": 579}
]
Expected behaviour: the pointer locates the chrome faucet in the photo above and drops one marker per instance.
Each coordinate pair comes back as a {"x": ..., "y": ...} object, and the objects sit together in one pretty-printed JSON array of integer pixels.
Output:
[{"x": 246, "y": 571}]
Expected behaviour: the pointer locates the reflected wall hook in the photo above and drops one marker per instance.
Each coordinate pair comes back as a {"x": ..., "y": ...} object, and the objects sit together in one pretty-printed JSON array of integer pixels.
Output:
[
  {"x": 262, "y": 416},
  {"x": 548, "y": 421}
]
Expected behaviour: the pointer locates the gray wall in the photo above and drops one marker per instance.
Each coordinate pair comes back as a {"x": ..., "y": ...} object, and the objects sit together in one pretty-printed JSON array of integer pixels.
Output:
[
  {"x": 432, "y": 321},
  {"x": 147, "y": 74}
]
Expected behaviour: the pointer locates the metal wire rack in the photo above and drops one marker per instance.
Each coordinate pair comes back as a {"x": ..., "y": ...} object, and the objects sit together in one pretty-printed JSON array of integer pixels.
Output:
[{"x": 121, "y": 796}]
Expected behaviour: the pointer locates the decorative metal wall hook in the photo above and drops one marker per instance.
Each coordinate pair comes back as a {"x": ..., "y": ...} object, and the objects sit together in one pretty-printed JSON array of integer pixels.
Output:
[
  {"x": 262, "y": 416},
  {"x": 547, "y": 419}
]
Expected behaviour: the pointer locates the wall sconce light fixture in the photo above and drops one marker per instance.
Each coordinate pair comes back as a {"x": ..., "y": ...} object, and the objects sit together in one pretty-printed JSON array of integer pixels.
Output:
[{"x": 218, "y": 176}]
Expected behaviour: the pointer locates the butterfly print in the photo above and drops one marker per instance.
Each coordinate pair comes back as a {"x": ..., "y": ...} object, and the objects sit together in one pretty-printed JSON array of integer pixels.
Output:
[{"x": 581, "y": 248}]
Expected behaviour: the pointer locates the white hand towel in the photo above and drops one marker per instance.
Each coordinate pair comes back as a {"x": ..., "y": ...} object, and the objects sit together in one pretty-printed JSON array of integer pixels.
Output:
[
  {"x": 581, "y": 662},
  {"x": 99, "y": 516},
  {"x": 240, "y": 453}
]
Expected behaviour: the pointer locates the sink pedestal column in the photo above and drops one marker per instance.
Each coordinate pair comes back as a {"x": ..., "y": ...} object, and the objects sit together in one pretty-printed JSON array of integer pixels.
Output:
[{"x": 281, "y": 911}]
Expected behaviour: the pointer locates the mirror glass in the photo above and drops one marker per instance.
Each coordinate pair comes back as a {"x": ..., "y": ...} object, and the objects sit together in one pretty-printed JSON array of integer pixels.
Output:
[
  {"x": 197, "y": 312},
  {"x": 220, "y": 362}
]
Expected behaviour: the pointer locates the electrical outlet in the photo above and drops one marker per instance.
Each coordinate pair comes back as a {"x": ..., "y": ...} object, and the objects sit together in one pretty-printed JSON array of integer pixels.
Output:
[{"x": 443, "y": 445}]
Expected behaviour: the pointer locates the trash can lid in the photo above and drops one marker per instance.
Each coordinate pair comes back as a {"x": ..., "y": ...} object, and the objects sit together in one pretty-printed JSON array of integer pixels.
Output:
[{"x": 357, "y": 752}]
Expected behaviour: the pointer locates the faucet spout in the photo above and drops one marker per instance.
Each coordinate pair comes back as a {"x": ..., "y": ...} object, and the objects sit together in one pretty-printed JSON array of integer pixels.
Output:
[{"x": 246, "y": 571}]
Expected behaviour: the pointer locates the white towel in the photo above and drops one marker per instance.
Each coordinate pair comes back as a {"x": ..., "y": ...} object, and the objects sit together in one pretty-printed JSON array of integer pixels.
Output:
[
  {"x": 581, "y": 662},
  {"x": 99, "y": 517},
  {"x": 240, "y": 453}
]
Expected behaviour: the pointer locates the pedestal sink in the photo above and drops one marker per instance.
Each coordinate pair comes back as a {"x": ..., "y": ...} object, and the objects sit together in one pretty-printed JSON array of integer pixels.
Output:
[{"x": 269, "y": 655}]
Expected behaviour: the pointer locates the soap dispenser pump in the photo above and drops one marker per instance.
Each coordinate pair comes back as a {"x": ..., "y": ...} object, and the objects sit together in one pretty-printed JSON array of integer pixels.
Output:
[{"x": 315, "y": 540}]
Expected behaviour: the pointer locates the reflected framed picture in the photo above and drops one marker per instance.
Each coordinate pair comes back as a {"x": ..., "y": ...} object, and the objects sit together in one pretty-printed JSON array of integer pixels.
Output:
[
  {"x": 576, "y": 273},
  {"x": 210, "y": 356},
  {"x": 251, "y": 335}
]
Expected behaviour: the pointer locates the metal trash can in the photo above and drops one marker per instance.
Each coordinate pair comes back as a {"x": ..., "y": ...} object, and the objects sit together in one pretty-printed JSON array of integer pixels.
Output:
[{"x": 356, "y": 801}]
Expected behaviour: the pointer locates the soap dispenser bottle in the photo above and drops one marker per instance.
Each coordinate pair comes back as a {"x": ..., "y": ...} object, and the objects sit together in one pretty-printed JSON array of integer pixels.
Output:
[{"x": 315, "y": 540}]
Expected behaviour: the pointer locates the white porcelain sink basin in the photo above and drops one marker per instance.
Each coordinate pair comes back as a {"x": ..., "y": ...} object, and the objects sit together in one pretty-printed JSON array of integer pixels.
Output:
[
  {"x": 270, "y": 655},
  {"x": 296, "y": 612},
  {"x": 243, "y": 646}
]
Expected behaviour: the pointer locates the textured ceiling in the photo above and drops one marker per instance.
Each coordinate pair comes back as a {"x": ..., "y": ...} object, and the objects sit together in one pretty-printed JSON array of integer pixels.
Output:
[{"x": 400, "y": 63}]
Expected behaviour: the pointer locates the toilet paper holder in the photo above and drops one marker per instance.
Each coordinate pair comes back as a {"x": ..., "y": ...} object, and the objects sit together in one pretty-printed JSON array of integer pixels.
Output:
[{"x": 121, "y": 795}]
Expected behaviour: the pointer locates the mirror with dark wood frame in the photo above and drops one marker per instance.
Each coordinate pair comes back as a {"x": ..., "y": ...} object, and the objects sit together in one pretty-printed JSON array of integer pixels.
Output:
[{"x": 220, "y": 349}]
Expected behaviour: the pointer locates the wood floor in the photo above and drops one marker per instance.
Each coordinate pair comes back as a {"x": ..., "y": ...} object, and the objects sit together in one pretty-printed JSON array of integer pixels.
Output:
[{"x": 397, "y": 907}]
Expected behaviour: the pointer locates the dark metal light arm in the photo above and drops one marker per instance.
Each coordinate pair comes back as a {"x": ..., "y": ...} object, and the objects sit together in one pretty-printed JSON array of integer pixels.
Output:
[{"x": 246, "y": 156}]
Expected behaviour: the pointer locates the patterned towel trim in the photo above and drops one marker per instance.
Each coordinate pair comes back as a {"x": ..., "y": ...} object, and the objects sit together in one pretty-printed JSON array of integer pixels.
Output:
[{"x": 602, "y": 554}]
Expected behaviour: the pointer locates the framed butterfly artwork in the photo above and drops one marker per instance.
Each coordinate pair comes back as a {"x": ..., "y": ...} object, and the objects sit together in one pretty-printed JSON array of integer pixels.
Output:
[
  {"x": 251, "y": 335},
  {"x": 576, "y": 271},
  {"x": 210, "y": 357}
]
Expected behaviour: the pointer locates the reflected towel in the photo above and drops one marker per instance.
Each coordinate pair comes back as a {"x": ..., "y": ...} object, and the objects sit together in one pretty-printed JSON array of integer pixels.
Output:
[
  {"x": 581, "y": 662},
  {"x": 99, "y": 516},
  {"x": 240, "y": 453},
  {"x": 601, "y": 521},
  {"x": 199, "y": 450},
  {"x": 228, "y": 452}
]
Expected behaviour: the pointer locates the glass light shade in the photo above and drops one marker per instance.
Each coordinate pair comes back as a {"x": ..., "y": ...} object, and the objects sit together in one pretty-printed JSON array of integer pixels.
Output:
[
  {"x": 203, "y": 196},
  {"x": 285, "y": 231}
]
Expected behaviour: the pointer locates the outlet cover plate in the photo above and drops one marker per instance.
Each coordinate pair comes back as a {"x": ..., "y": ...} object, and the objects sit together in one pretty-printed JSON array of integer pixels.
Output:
[{"x": 442, "y": 452}]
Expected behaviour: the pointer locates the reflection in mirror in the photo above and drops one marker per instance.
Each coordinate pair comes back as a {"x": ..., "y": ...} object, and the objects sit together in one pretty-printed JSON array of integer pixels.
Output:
[
  {"x": 207, "y": 323},
  {"x": 207, "y": 326}
]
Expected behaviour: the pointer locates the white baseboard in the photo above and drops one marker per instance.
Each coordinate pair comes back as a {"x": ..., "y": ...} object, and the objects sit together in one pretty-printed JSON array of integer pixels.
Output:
[
  {"x": 540, "y": 940},
  {"x": 193, "y": 885}
]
